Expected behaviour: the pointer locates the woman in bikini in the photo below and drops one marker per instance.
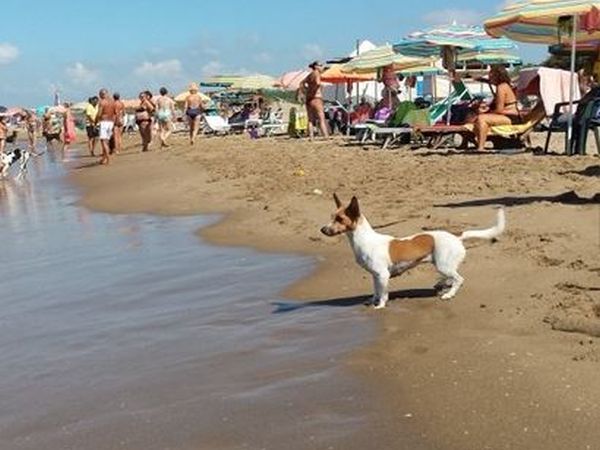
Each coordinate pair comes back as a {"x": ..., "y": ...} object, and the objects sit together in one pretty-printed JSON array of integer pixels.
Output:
[
  {"x": 193, "y": 111},
  {"x": 503, "y": 110},
  {"x": 313, "y": 92},
  {"x": 143, "y": 118}
]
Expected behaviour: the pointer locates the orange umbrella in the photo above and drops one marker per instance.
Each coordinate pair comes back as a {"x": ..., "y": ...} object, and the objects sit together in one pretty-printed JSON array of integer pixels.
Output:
[{"x": 335, "y": 75}]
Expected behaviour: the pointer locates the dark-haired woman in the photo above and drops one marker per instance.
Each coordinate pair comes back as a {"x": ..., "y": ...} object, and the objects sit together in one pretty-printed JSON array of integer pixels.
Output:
[
  {"x": 503, "y": 110},
  {"x": 143, "y": 118}
]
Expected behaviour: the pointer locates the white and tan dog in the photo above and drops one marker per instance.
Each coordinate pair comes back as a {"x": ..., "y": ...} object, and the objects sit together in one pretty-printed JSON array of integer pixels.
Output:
[{"x": 385, "y": 256}]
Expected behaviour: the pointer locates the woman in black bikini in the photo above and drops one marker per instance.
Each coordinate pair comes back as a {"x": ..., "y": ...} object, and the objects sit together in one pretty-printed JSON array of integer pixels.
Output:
[
  {"x": 504, "y": 108},
  {"x": 143, "y": 118}
]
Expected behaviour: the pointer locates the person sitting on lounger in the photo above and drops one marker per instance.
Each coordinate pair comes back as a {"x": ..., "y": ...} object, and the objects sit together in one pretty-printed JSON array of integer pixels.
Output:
[{"x": 503, "y": 110}]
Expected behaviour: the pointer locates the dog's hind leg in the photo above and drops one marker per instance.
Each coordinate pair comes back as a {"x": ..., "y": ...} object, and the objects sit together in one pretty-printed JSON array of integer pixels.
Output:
[
  {"x": 447, "y": 265},
  {"x": 457, "y": 282}
]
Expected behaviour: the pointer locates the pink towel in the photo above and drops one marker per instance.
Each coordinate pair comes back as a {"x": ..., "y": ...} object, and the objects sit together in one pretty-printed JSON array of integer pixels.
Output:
[{"x": 554, "y": 86}]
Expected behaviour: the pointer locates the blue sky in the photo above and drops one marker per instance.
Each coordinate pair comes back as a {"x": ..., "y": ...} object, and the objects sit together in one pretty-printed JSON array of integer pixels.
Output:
[{"x": 130, "y": 45}]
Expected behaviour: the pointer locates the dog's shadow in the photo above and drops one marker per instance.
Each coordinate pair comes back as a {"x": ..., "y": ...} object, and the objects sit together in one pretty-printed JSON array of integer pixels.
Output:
[{"x": 347, "y": 302}]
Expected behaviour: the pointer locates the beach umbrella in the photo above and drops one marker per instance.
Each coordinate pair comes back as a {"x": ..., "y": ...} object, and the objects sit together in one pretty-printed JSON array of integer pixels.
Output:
[
  {"x": 253, "y": 83},
  {"x": 291, "y": 81},
  {"x": 335, "y": 75},
  {"x": 451, "y": 41},
  {"x": 487, "y": 58},
  {"x": 565, "y": 22},
  {"x": 462, "y": 38},
  {"x": 384, "y": 56}
]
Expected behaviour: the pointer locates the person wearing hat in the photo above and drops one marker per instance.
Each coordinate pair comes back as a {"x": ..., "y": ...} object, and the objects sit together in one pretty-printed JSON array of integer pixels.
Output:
[
  {"x": 314, "y": 100},
  {"x": 193, "y": 111}
]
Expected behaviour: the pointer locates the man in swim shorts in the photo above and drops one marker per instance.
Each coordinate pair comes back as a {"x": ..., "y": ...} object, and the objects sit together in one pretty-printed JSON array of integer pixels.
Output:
[
  {"x": 106, "y": 121},
  {"x": 165, "y": 111},
  {"x": 193, "y": 111},
  {"x": 314, "y": 100}
]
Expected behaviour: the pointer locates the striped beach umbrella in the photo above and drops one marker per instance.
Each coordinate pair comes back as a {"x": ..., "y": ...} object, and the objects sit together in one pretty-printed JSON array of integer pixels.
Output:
[
  {"x": 460, "y": 37},
  {"x": 383, "y": 56},
  {"x": 563, "y": 22},
  {"x": 545, "y": 21},
  {"x": 335, "y": 75}
]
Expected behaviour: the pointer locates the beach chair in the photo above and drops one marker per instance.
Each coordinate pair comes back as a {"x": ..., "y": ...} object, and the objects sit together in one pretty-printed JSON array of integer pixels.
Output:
[
  {"x": 216, "y": 124},
  {"x": 586, "y": 119},
  {"x": 413, "y": 118},
  {"x": 509, "y": 137}
]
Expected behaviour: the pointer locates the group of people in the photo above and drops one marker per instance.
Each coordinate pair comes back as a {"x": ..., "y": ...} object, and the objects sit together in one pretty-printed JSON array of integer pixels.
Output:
[
  {"x": 502, "y": 110},
  {"x": 105, "y": 119}
]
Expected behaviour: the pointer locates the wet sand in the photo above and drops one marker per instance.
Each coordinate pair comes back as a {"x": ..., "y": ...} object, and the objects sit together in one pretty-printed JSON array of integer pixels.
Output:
[
  {"x": 485, "y": 370},
  {"x": 127, "y": 331}
]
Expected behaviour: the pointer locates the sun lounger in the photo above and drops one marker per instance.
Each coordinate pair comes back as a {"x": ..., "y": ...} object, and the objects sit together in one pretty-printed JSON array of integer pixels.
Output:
[{"x": 216, "y": 125}]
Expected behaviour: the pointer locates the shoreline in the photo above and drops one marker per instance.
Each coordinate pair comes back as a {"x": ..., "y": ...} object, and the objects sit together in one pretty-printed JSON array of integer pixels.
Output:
[{"x": 429, "y": 357}]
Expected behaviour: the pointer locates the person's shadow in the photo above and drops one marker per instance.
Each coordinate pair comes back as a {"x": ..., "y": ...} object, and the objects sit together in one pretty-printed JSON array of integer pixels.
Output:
[
  {"x": 567, "y": 198},
  {"x": 358, "y": 300}
]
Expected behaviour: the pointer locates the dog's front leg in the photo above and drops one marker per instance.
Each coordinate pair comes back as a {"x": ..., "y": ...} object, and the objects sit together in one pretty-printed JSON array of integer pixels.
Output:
[{"x": 381, "y": 280}]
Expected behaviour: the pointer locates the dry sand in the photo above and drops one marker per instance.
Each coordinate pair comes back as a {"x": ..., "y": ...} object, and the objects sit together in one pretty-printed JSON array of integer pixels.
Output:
[{"x": 486, "y": 370}]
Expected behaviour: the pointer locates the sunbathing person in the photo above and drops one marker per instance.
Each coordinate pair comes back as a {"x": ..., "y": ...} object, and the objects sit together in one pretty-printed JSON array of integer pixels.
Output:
[{"x": 503, "y": 110}]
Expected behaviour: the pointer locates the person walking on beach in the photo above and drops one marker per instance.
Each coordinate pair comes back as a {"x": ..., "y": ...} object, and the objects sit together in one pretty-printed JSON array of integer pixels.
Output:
[
  {"x": 119, "y": 122},
  {"x": 193, "y": 111},
  {"x": 314, "y": 100},
  {"x": 28, "y": 117},
  {"x": 91, "y": 112},
  {"x": 143, "y": 118},
  {"x": 165, "y": 111},
  {"x": 69, "y": 135},
  {"x": 3, "y": 134},
  {"x": 106, "y": 121}
]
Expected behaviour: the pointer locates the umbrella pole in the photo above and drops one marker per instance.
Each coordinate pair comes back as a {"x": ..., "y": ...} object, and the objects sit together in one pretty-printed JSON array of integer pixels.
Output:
[{"x": 568, "y": 143}]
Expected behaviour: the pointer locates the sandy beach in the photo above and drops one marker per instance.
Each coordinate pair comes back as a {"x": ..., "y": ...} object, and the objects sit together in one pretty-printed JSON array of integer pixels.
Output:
[{"x": 489, "y": 369}]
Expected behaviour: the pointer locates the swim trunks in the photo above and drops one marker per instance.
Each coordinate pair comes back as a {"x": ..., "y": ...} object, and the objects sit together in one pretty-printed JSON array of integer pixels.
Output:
[
  {"x": 106, "y": 129},
  {"x": 192, "y": 113}
]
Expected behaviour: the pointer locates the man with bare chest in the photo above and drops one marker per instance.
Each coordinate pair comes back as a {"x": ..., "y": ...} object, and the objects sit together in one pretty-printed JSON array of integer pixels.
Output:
[{"x": 107, "y": 114}]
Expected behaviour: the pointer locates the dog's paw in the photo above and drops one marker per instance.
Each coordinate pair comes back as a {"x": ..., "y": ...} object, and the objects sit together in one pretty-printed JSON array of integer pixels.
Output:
[
  {"x": 447, "y": 296},
  {"x": 379, "y": 305}
]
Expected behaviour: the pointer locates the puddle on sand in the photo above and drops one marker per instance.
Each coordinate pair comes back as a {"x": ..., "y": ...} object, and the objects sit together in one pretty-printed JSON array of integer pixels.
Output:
[{"x": 126, "y": 331}]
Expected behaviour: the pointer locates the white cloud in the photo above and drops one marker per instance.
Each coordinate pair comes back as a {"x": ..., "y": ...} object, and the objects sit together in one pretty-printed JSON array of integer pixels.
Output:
[
  {"x": 167, "y": 68},
  {"x": 78, "y": 73},
  {"x": 8, "y": 53},
  {"x": 450, "y": 15},
  {"x": 212, "y": 68},
  {"x": 312, "y": 51}
]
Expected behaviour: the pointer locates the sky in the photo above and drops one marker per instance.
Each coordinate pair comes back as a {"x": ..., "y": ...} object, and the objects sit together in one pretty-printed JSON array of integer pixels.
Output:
[{"x": 78, "y": 46}]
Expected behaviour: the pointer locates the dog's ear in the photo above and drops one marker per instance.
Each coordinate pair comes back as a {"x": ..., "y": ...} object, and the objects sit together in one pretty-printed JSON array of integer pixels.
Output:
[
  {"x": 337, "y": 200},
  {"x": 353, "y": 210}
]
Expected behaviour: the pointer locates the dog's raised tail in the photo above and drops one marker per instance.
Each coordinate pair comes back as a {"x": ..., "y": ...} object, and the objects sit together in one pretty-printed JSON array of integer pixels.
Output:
[{"x": 488, "y": 233}]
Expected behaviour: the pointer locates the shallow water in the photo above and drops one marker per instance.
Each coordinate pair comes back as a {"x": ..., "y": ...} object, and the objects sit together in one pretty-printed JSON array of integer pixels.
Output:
[{"x": 127, "y": 331}]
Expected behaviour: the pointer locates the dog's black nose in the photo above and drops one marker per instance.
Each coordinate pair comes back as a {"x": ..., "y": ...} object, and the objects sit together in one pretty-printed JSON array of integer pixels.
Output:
[{"x": 324, "y": 231}]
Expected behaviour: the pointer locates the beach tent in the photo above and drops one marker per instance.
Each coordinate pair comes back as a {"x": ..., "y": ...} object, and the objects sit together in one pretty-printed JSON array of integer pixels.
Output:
[{"x": 564, "y": 22}]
